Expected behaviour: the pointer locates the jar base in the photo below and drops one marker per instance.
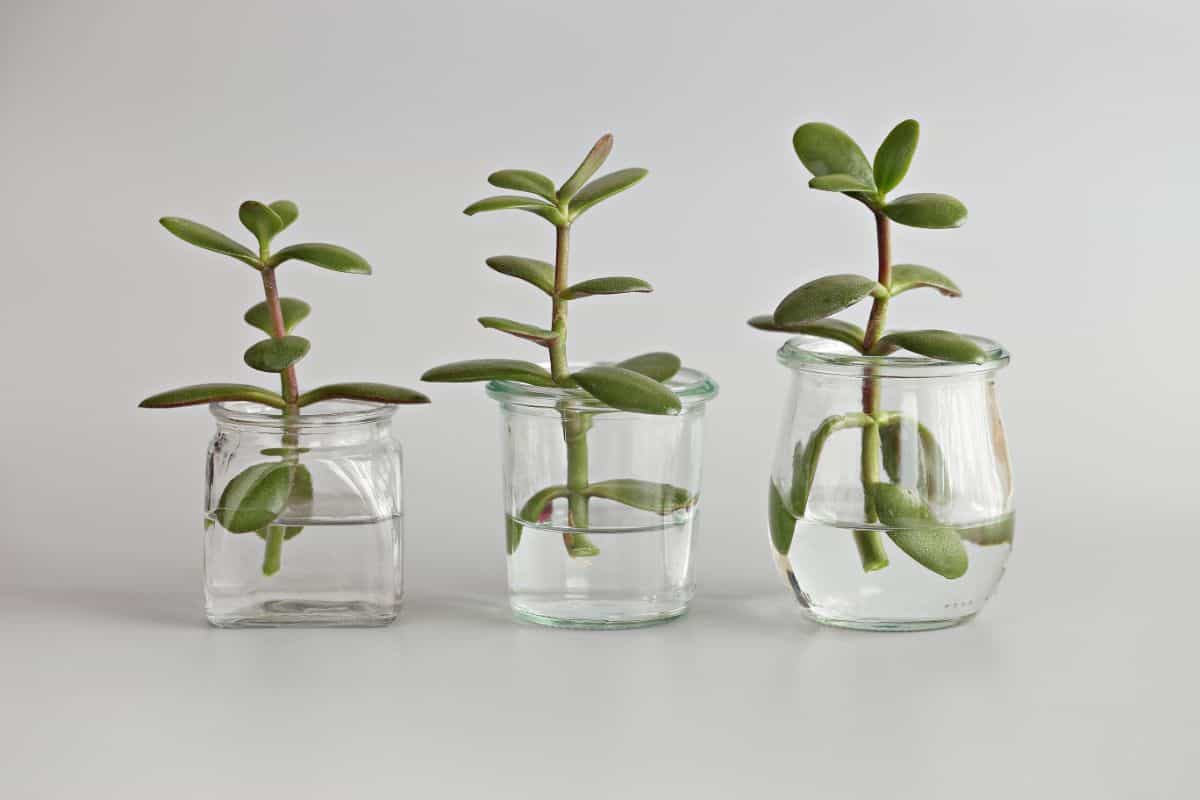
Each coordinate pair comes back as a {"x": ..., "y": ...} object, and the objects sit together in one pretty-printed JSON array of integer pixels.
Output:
[
  {"x": 305, "y": 614},
  {"x": 885, "y": 625},
  {"x": 580, "y": 617}
]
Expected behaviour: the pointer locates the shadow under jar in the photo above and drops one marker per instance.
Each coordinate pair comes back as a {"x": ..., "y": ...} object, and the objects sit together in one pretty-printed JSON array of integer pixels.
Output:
[
  {"x": 303, "y": 516},
  {"x": 601, "y": 505},
  {"x": 890, "y": 503}
]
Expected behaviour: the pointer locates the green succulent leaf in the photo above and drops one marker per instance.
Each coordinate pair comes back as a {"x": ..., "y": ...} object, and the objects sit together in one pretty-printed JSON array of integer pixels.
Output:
[
  {"x": 205, "y": 237},
  {"x": 933, "y": 479},
  {"x": 254, "y": 497},
  {"x": 990, "y": 533},
  {"x": 826, "y": 150},
  {"x": 534, "y": 507},
  {"x": 260, "y": 220},
  {"x": 329, "y": 256},
  {"x": 524, "y": 180},
  {"x": 894, "y": 156},
  {"x": 294, "y": 311},
  {"x": 286, "y": 210},
  {"x": 369, "y": 392},
  {"x": 276, "y": 355},
  {"x": 659, "y": 498},
  {"x": 839, "y": 330},
  {"x": 923, "y": 538},
  {"x": 915, "y": 276},
  {"x": 605, "y": 187},
  {"x": 837, "y": 182},
  {"x": 506, "y": 201},
  {"x": 824, "y": 297},
  {"x": 781, "y": 521},
  {"x": 202, "y": 393},
  {"x": 627, "y": 390},
  {"x": 521, "y": 330},
  {"x": 490, "y": 369},
  {"x": 659, "y": 366},
  {"x": 926, "y": 211},
  {"x": 617, "y": 284},
  {"x": 806, "y": 457},
  {"x": 586, "y": 169},
  {"x": 530, "y": 270},
  {"x": 933, "y": 343}
]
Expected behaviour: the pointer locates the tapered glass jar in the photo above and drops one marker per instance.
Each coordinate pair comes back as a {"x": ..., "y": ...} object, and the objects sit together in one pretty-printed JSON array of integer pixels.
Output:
[
  {"x": 303, "y": 518},
  {"x": 891, "y": 501},
  {"x": 600, "y": 506}
]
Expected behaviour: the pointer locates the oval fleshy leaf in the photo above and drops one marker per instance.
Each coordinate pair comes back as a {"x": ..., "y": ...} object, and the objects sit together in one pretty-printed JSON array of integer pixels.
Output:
[
  {"x": 659, "y": 498},
  {"x": 990, "y": 533},
  {"x": 932, "y": 477},
  {"x": 205, "y": 237},
  {"x": 521, "y": 330},
  {"x": 617, "y": 284},
  {"x": 260, "y": 220},
  {"x": 826, "y": 150},
  {"x": 933, "y": 343},
  {"x": 894, "y": 156},
  {"x": 605, "y": 187},
  {"x": 530, "y": 270},
  {"x": 361, "y": 390},
  {"x": 837, "y": 182},
  {"x": 627, "y": 390},
  {"x": 824, "y": 297},
  {"x": 490, "y": 369},
  {"x": 586, "y": 169},
  {"x": 926, "y": 210},
  {"x": 914, "y": 276},
  {"x": 922, "y": 537},
  {"x": 276, "y": 355},
  {"x": 781, "y": 521},
  {"x": 203, "y": 393},
  {"x": 524, "y": 180},
  {"x": 286, "y": 210},
  {"x": 254, "y": 498},
  {"x": 805, "y": 458},
  {"x": 659, "y": 366},
  {"x": 836, "y": 329},
  {"x": 507, "y": 201},
  {"x": 329, "y": 256},
  {"x": 294, "y": 311},
  {"x": 535, "y": 508}
]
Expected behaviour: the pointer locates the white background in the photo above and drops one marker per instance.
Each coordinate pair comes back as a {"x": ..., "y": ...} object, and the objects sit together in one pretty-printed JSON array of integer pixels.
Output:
[{"x": 1069, "y": 129}]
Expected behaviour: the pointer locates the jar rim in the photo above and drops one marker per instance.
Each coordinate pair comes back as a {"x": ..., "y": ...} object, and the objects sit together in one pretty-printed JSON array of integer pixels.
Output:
[
  {"x": 691, "y": 386},
  {"x": 323, "y": 413},
  {"x": 815, "y": 354}
]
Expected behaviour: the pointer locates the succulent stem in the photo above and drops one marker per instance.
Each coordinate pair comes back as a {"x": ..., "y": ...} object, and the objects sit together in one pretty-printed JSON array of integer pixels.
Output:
[{"x": 291, "y": 390}]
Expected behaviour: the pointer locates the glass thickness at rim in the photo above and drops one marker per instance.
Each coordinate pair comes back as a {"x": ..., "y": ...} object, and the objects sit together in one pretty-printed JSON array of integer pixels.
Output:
[
  {"x": 691, "y": 386},
  {"x": 814, "y": 354},
  {"x": 327, "y": 413}
]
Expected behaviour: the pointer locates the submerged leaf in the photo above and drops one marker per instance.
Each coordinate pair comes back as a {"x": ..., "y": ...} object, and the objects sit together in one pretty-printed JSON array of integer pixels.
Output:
[
  {"x": 490, "y": 369},
  {"x": 521, "y": 330},
  {"x": 276, "y": 355},
  {"x": 539, "y": 273},
  {"x": 524, "y": 180},
  {"x": 660, "y": 498},
  {"x": 806, "y": 457},
  {"x": 605, "y": 187},
  {"x": 617, "y": 284},
  {"x": 933, "y": 480},
  {"x": 894, "y": 156},
  {"x": 254, "y": 497},
  {"x": 659, "y": 366},
  {"x": 914, "y": 276},
  {"x": 205, "y": 237},
  {"x": 824, "y": 297},
  {"x": 921, "y": 536},
  {"x": 627, "y": 390},
  {"x": 534, "y": 509},
  {"x": 990, "y": 533},
  {"x": 586, "y": 169},
  {"x": 260, "y": 220},
  {"x": 933, "y": 343},
  {"x": 826, "y": 150},
  {"x": 212, "y": 393},
  {"x": 294, "y": 311},
  {"x": 781, "y": 521},
  {"x": 839, "y": 330},
  {"x": 329, "y": 256},
  {"x": 360, "y": 390},
  {"x": 926, "y": 210}
]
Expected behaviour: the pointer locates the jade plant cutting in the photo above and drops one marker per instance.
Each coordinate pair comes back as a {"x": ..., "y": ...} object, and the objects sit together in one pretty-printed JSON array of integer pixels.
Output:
[
  {"x": 256, "y": 497},
  {"x": 635, "y": 385},
  {"x": 839, "y": 165}
]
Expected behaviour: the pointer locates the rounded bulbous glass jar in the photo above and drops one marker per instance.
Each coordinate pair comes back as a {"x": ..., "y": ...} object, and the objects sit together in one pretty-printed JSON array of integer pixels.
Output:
[
  {"x": 891, "y": 501},
  {"x": 601, "y": 506},
  {"x": 303, "y": 516}
]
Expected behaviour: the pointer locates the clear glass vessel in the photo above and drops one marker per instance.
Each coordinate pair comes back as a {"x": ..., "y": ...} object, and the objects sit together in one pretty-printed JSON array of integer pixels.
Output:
[
  {"x": 303, "y": 520},
  {"x": 897, "y": 519},
  {"x": 601, "y": 506}
]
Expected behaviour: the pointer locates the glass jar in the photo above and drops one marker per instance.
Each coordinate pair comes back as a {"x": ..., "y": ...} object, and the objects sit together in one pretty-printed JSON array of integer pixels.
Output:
[
  {"x": 900, "y": 518},
  {"x": 303, "y": 516},
  {"x": 601, "y": 506}
]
